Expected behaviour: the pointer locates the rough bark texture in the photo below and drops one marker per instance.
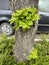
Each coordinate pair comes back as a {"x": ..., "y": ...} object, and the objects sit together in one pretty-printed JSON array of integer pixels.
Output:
[
  {"x": 18, "y": 4},
  {"x": 24, "y": 43},
  {"x": 24, "y": 40}
]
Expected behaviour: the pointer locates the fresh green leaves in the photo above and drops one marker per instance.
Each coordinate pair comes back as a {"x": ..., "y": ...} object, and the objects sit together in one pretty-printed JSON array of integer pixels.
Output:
[
  {"x": 38, "y": 56},
  {"x": 6, "y": 47},
  {"x": 33, "y": 55},
  {"x": 24, "y": 18}
]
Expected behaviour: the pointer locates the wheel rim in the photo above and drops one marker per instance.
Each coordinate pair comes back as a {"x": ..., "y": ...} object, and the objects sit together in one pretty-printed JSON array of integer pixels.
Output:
[{"x": 6, "y": 29}]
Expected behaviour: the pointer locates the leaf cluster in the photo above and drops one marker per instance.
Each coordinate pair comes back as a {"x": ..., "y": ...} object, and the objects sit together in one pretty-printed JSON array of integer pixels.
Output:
[
  {"x": 38, "y": 56},
  {"x": 6, "y": 47},
  {"x": 24, "y": 18},
  {"x": 33, "y": 54}
]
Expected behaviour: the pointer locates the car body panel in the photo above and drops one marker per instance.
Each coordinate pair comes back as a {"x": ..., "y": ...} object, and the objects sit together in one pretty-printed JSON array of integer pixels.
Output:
[
  {"x": 5, "y": 11},
  {"x": 43, "y": 10},
  {"x": 5, "y": 15},
  {"x": 44, "y": 18}
]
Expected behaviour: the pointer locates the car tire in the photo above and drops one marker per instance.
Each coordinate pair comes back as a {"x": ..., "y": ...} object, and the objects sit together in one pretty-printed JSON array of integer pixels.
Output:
[{"x": 6, "y": 28}]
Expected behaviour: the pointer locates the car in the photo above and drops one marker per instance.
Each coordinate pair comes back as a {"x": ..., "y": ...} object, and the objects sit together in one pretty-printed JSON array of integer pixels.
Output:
[
  {"x": 5, "y": 16},
  {"x": 43, "y": 10}
]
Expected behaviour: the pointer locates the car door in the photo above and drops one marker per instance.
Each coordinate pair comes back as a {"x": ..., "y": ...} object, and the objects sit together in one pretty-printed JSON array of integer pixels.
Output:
[{"x": 43, "y": 10}]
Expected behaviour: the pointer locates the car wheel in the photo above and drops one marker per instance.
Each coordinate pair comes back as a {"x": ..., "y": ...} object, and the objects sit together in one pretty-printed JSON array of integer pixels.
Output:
[{"x": 6, "y": 28}]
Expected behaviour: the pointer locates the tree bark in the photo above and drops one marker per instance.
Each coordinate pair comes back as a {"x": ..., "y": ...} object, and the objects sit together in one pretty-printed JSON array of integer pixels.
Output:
[
  {"x": 18, "y": 4},
  {"x": 24, "y": 41}
]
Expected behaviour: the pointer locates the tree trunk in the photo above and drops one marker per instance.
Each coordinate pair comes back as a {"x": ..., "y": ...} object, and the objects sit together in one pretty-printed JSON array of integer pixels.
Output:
[
  {"x": 24, "y": 40},
  {"x": 18, "y": 4}
]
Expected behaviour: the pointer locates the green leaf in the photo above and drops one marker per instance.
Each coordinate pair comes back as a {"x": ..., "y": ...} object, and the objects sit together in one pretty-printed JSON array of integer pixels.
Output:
[
  {"x": 33, "y": 54},
  {"x": 24, "y": 18},
  {"x": 30, "y": 23}
]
